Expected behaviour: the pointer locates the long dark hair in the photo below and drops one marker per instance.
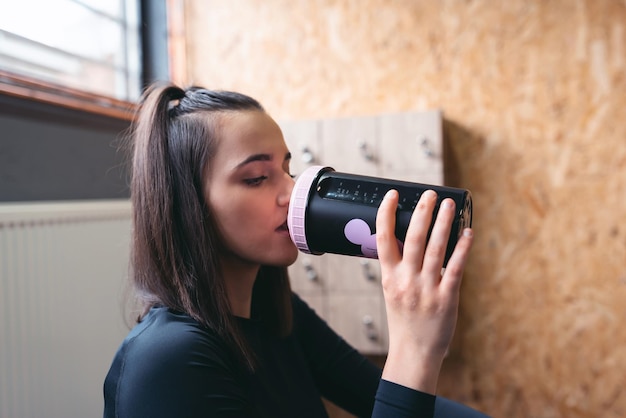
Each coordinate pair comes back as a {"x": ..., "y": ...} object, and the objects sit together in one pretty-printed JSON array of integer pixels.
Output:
[{"x": 175, "y": 242}]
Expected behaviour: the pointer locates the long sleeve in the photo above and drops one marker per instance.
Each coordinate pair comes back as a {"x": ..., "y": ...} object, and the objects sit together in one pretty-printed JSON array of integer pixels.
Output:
[
  {"x": 342, "y": 374},
  {"x": 351, "y": 381},
  {"x": 393, "y": 400}
]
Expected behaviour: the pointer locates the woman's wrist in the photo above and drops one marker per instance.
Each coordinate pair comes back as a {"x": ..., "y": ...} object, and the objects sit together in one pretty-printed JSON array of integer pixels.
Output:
[{"x": 419, "y": 372}]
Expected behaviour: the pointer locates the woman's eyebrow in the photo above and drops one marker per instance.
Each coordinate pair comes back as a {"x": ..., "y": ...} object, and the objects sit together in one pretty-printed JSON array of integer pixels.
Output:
[
  {"x": 260, "y": 157},
  {"x": 255, "y": 157}
]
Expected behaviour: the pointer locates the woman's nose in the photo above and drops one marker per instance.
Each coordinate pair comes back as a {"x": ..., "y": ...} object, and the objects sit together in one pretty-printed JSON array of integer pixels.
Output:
[{"x": 285, "y": 195}]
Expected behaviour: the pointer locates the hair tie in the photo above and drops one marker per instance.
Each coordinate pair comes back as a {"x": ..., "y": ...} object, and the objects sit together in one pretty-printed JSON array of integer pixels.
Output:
[{"x": 176, "y": 96}]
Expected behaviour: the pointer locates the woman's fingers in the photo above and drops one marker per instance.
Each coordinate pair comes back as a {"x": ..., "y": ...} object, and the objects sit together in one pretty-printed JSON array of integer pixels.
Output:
[
  {"x": 456, "y": 265},
  {"x": 417, "y": 232},
  {"x": 439, "y": 237},
  {"x": 386, "y": 242},
  {"x": 421, "y": 258}
]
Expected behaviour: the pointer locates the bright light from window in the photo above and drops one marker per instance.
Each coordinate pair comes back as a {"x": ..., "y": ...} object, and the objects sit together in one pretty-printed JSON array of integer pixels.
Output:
[{"x": 91, "y": 45}]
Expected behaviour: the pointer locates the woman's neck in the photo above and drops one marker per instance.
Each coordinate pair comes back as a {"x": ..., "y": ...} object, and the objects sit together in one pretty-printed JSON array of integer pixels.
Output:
[{"x": 239, "y": 278}]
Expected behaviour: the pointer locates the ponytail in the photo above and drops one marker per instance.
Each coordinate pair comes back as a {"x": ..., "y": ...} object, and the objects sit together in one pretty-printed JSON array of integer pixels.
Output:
[{"x": 151, "y": 196}]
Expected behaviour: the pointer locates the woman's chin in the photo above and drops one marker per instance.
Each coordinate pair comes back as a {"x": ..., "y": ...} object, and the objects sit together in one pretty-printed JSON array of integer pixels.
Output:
[{"x": 287, "y": 258}]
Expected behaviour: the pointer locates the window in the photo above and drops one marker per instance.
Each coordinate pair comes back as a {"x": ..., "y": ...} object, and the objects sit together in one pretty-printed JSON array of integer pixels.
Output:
[{"x": 85, "y": 50}]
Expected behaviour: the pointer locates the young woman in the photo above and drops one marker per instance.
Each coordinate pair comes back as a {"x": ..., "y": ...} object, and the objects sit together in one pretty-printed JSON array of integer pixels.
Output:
[{"x": 221, "y": 334}]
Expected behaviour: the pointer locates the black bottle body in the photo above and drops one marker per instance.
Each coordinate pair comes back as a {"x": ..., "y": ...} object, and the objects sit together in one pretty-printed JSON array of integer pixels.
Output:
[{"x": 333, "y": 212}]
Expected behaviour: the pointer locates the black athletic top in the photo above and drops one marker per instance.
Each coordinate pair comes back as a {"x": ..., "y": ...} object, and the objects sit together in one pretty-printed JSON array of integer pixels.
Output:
[{"x": 171, "y": 366}]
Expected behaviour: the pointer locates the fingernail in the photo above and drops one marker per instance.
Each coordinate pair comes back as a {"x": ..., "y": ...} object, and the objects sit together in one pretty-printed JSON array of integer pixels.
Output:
[
  {"x": 447, "y": 203},
  {"x": 389, "y": 194},
  {"x": 431, "y": 194},
  {"x": 468, "y": 232}
]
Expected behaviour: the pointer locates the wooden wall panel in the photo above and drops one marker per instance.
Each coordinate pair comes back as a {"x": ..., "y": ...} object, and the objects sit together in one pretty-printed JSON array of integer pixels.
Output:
[{"x": 534, "y": 97}]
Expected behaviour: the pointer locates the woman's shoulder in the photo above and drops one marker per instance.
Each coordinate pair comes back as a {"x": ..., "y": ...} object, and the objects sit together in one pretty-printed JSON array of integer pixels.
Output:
[
  {"x": 168, "y": 362},
  {"x": 167, "y": 337}
]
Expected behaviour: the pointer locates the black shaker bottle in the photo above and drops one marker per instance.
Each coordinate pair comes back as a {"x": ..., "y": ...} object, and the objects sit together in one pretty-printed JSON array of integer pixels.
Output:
[{"x": 333, "y": 212}]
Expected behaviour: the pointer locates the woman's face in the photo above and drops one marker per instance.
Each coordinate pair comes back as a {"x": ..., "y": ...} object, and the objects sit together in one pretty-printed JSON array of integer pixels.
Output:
[{"x": 248, "y": 188}]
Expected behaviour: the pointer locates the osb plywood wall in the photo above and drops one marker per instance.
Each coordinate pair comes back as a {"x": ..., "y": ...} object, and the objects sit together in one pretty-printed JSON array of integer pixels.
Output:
[{"x": 534, "y": 96}]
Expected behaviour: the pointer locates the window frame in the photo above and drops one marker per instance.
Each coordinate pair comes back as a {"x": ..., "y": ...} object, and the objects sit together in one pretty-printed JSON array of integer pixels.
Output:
[
  {"x": 29, "y": 91},
  {"x": 26, "y": 88},
  {"x": 64, "y": 100}
]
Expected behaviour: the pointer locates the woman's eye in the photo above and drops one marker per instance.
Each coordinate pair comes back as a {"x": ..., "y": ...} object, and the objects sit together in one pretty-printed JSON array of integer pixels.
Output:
[{"x": 255, "y": 181}]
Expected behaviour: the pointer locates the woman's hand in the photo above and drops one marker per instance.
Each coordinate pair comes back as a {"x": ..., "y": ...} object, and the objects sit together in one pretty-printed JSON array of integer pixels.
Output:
[{"x": 421, "y": 303}]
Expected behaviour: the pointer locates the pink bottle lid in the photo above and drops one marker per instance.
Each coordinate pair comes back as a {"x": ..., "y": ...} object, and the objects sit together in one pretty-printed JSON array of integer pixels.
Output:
[{"x": 296, "y": 215}]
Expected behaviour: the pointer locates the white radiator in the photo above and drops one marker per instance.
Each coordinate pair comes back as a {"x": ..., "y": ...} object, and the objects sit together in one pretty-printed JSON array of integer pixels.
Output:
[{"x": 63, "y": 268}]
